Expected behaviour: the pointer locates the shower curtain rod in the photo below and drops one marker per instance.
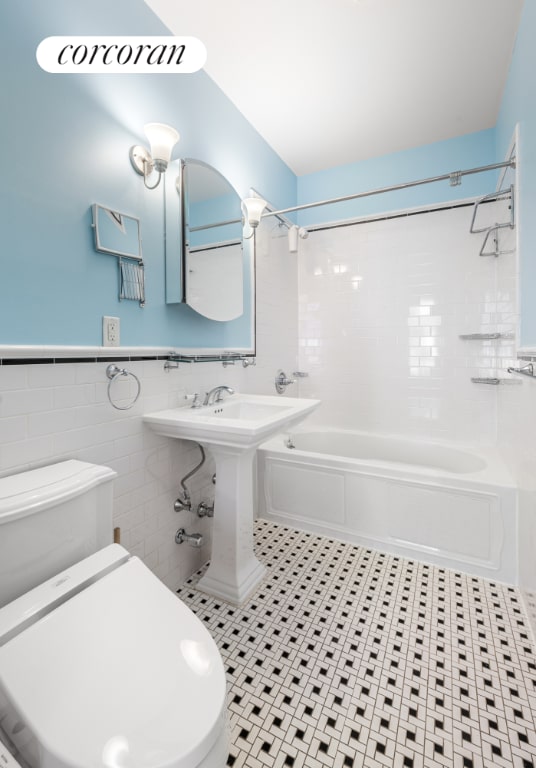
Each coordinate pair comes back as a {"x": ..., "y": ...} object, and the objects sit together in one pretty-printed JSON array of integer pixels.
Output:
[{"x": 454, "y": 178}]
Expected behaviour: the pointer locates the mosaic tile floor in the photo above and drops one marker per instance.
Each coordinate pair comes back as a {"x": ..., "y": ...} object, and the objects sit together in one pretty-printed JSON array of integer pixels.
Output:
[{"x": 348, "y": 657}]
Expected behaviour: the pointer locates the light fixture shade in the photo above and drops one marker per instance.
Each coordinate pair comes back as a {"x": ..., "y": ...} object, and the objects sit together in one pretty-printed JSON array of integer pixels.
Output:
[
  {"x": 252, "y": 208},
  {"x": 162, "y": 139}
]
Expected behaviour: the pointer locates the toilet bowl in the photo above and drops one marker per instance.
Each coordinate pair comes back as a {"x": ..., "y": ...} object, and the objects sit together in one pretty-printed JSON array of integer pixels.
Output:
[{"x": 101, "y": 664}]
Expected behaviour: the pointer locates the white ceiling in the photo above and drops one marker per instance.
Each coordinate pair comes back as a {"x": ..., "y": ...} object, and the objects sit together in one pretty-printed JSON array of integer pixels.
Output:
[{"x": 329, "y": 82}]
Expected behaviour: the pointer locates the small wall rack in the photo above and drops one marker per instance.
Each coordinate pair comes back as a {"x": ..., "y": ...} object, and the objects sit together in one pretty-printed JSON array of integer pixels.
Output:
[
  {"x": 495, "y": 381},
  {"x": 226, "y": 358},
  {"x": 493, "y": 231},
  {"x": 484, "y": 336},
  {"x": 119, "y": 235}
]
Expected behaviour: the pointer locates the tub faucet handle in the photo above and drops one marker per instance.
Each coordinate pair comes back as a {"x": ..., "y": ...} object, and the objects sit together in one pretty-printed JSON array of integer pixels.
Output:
[{"x": 282, "y": 381}]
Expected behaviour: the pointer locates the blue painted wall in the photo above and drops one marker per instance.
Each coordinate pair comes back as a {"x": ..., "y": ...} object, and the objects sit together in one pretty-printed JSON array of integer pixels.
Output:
[
  {"x": 519, "y": 106},
  {"x": 67, "y": 138},
  {"x": 470, "y": 151}
]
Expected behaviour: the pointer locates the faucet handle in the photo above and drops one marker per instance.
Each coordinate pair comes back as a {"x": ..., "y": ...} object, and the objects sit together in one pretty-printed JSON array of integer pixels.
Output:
[
  {"x": 282, "y": 381},
  {"x": 195, "y": 398}
]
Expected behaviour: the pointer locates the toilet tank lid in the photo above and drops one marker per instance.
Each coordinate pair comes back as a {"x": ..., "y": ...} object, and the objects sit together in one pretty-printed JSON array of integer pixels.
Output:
[{"x": 37, "y": 489}]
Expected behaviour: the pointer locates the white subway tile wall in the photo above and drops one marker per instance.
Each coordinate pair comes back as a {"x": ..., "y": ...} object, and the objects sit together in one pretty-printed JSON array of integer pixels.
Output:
[
  {"x": 516, "y": 415},
  {"x": 53, "y": 412},
  {"x": 382, "y": 306}
]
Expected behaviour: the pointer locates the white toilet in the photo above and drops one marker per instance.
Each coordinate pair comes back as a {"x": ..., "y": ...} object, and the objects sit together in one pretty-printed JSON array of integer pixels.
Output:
[{"x": 100, "y": 664}]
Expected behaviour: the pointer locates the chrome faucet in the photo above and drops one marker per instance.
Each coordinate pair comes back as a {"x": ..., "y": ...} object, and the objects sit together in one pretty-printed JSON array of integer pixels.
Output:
[{"x": 216, "y": 395}]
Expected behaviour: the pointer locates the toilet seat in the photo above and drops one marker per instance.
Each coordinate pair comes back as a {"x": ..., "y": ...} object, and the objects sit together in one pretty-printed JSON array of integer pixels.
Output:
[{"x": 120, "y": 674}]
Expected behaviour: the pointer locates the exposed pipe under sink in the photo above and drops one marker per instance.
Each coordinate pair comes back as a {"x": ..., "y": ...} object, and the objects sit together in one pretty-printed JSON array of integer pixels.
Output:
[{"x": 185, "y": 500}]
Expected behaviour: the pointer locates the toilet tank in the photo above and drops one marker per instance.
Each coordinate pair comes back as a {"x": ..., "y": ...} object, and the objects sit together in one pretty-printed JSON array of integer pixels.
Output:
[{"x": 50, "y": 518}]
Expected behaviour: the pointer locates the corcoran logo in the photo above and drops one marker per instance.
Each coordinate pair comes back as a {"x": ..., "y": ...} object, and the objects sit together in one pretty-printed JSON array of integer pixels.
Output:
[{"x": 125, "y": 54}]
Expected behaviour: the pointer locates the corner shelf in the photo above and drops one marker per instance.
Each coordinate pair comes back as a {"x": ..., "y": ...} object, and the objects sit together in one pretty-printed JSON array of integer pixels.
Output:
[{"x": 483, "y": 336}]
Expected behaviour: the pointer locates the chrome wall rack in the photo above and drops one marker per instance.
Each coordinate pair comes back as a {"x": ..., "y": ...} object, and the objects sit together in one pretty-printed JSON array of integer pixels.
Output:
[
  {"x": 493, "y": 380},
  {"x": 229, "y": 358},
  {"x": 118, "y": 234},
  {"x": 493, "y": 231},
  {"x": 131, "y": 280},
  {"x": 483, "y": 336}
]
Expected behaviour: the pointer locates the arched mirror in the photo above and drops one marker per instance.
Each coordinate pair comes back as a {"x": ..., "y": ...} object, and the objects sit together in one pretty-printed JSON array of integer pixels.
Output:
[{"x": 213, "y": 257}]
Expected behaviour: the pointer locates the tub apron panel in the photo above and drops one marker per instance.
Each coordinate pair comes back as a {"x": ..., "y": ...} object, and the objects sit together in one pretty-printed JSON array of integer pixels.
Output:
[{"x": 455, "y": 521}]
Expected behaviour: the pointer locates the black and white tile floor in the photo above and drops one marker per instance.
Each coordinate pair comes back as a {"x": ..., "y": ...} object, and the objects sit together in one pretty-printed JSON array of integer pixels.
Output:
[{"x": 348, "y": 657}]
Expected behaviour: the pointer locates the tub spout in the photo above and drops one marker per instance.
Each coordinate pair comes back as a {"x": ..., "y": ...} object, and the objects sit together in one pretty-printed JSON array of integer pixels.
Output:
[{"x": 193, "y": 539}]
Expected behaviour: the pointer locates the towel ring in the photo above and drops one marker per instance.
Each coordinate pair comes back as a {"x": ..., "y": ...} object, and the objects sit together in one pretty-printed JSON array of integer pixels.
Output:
[{"x": 113, "y": 372}]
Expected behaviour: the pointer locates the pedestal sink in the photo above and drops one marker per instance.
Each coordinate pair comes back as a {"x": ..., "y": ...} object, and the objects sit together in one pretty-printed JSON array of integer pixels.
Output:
[{"x": 232, "y": 429}]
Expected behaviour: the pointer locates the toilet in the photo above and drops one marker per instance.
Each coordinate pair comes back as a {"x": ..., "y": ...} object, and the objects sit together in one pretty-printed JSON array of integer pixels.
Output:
[{"x": 100, "y": 663}]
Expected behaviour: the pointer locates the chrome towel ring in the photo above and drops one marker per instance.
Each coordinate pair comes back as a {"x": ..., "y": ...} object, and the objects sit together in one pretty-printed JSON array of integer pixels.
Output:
[{"x": 113, "y": 372}]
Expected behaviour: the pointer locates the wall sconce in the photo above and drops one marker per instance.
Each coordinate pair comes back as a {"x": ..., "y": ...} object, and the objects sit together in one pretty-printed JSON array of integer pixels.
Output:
[
  {"x": 252, "y": 208},
  {"x": 162, "y": 139}
]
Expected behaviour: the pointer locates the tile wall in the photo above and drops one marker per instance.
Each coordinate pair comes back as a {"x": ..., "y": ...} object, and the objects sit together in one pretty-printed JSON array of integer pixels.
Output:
[
  {"x": 382, "y": 305},
  {"x": 516, "y": 415},
  {"x": 516, "y": 412},
  {"x": 54, "y": 412}
]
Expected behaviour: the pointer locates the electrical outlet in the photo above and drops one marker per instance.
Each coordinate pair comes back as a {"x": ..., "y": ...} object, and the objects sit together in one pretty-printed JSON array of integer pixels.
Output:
[{"x": 110, "y": 331}]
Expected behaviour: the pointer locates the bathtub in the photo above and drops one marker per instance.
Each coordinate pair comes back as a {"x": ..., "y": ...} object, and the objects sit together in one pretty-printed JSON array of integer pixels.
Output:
[{"x": 440, "y": 504}]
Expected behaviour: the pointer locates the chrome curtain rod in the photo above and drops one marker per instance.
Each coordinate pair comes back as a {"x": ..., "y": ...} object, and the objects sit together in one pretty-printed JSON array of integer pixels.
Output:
[{"x": 454, "y": 178}]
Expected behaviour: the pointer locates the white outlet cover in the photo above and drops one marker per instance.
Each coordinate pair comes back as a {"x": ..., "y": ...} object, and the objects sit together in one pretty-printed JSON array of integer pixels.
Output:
[{"x": 110, "y": 331}]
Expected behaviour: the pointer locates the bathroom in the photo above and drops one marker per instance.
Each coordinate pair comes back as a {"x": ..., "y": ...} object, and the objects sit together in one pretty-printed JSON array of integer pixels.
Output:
[{"x": 71, "y": 136}]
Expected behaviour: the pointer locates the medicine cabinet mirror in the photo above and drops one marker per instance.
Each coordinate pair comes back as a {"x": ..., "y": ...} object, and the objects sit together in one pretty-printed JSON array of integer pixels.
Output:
[{"x": 215, "y": 265}]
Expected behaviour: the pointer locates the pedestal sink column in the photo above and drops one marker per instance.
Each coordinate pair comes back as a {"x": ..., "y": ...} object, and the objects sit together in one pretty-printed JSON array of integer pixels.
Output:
[
  {"x": 234, "y": 571},
  {"x": 231, "y": 430}
]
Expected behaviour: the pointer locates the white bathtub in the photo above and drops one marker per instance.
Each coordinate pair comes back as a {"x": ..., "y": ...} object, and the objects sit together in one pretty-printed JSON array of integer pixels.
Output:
[{"x": 436, "y": 503}]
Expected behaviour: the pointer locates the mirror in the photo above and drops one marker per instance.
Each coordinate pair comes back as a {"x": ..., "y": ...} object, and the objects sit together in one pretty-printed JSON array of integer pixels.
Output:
[
  {"x": 116, "y": 233},
  {"x": 215, "y": 265}
]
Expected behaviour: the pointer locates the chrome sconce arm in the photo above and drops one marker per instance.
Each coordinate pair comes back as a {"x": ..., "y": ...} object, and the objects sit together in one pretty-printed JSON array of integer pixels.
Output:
[{"x": 142, "y": 162}]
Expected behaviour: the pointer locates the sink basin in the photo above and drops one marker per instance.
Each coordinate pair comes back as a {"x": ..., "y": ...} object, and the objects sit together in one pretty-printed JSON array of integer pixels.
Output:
[
  {"x": 232, "y": 430},
  {"x": 238, "y": 420}
]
